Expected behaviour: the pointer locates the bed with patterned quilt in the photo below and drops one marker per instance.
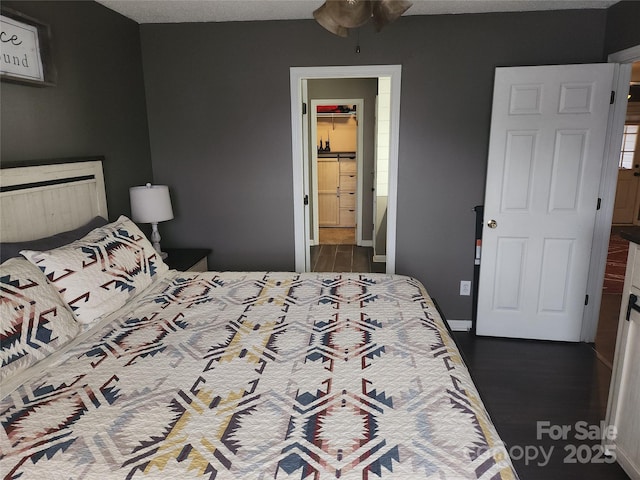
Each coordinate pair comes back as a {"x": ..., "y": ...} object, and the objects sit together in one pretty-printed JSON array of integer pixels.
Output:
[{"x": 115, "y": 366}]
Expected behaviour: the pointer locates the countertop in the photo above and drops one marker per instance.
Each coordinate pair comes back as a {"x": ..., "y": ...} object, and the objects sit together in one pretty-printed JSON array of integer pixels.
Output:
[
  {"x": 631, "y": 233},
  {"x": 336, "y": 154}
]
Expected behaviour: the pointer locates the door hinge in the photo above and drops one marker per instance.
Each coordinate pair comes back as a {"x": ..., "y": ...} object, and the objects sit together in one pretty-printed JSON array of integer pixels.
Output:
[
  {"x": 306, "y": 199},
  {"x": 613, "y": 98},
  {"x": 304, "y": 108},
  {"x": 586, "y": 299},
  {"x": 632, "y": 305},
  {"x": 599, "y": 204}
]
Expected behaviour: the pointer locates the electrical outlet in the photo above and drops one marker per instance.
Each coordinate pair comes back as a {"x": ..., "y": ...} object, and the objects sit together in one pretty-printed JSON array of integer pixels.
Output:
[{"x": 465, "y": 287}]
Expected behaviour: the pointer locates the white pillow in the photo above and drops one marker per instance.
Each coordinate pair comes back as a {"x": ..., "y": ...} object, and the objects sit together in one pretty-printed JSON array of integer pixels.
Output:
[
  {"x": 34, "y": 321},
  {"x": 97, "y": 274}
]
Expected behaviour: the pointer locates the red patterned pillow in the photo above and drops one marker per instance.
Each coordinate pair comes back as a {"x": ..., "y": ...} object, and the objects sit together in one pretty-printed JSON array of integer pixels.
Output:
[
  {"x": 97, "y": 274},
  {"x": 34, "y": 321}
]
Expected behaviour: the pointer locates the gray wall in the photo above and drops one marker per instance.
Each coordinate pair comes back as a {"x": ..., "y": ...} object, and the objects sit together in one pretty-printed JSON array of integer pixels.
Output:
[
  {"x": 623, "y": 26},
  {"x": 367, "y": 89},
  {"x": 96, "y": 108},
  {"x": 218, "y": 105},
  {"x": 218, "y": 102}
]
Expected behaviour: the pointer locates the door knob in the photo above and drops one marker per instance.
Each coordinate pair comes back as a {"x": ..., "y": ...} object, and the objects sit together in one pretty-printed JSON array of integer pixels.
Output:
[{"x": 492, "y": 224}]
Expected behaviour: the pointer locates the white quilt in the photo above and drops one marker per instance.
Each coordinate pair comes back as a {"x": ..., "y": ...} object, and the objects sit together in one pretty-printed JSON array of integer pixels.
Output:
[{"x": 258, "y": 376}]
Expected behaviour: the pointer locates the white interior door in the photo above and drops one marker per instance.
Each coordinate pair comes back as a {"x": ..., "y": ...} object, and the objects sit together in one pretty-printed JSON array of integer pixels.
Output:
[{"x": 546, "y": 149}]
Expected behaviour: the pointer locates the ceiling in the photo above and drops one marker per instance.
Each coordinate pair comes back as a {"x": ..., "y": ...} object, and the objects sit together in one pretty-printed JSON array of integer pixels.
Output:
[{"x": 182, "y": 11}]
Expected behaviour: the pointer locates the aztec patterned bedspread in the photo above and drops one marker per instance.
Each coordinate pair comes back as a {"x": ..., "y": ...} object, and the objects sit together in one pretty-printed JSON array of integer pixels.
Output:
[{"x": 258, "y": 376}]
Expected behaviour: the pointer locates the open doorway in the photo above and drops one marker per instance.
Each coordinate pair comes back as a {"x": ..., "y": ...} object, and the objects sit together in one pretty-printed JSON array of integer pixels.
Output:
[
  {"x": 303, "y": 208},
  {"x": 626, "y": 217},
  {"x": 608, "y": 183},
  {"x": 341, "y": 169}
]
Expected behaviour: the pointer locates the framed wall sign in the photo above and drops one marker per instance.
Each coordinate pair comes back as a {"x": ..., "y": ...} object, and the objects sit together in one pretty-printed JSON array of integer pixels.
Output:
[{"x": 25, "y": 50}]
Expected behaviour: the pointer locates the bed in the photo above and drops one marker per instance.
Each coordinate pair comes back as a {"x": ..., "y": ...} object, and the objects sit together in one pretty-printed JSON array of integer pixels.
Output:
[{"x": 225, "y": 375}]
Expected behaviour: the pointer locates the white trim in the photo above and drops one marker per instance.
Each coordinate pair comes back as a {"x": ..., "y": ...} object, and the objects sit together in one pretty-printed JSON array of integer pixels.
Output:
[
  {"x": 374, "y": 207},
  {"x": 366, "y": 243},
  {"x": 394, "y": 142},
  {"x": 301, "y": 188},
  {"x": 305, "y": 169},
  {"x": 607, "y": 193},
  {"x": 380, "y": 258},
  {"x": 313, "y": 185},
  {"x": 359, "y": 102},
  {"x": 628, "y": 55},
  {"x": 360, "y": 171},
  {"x": 459, "y": 325}
]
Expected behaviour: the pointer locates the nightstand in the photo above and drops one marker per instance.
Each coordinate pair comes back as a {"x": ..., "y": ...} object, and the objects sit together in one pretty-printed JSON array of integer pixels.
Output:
[{"x": 187, "y": 259}]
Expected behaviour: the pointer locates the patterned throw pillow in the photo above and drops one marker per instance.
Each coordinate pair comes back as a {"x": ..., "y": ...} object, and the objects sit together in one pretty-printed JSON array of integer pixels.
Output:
[
  {"x": 97, "y": 274},
  {"x": 34, "y": 322}
]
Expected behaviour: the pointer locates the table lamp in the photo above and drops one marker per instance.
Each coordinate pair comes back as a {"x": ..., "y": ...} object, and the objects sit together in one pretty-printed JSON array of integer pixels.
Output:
[{"x": 151, "y": 204}]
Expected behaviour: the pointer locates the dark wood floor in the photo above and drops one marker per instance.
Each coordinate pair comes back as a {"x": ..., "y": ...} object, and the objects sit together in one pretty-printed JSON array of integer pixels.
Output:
[
  {"x": 605, "y": 343},
  {"x": 344, "y": 258},
  {"x": 524, "y": 382}
]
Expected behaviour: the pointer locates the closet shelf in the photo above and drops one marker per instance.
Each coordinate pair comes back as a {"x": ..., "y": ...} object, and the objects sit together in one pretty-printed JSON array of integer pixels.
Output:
[{"x": 336, "y": 115}]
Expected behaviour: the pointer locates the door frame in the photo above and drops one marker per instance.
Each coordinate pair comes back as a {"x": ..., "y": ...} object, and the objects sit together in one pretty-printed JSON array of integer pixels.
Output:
[
  {"x": 608, "y": 183},
  {"x": 359, "y": 102},
  {"x": 297, "y": 77}
]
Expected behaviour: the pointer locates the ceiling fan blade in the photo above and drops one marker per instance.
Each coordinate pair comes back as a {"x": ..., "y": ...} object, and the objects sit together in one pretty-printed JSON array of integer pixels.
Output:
[
  {"x": 324, "y": 19},
  {"x": 387, "y": 11},
  {"x": 349, "y": 13}
]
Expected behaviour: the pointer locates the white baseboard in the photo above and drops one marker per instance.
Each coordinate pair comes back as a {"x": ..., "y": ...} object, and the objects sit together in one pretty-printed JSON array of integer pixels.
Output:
[
  {"x": 363, "y": 243},
  {"x": 380, "y": 258},
  {"x": 460, "y": 325}
]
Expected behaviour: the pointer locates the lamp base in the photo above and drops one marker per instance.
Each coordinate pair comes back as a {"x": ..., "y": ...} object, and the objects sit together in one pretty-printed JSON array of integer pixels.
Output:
[{"x": 155, "y": 239}]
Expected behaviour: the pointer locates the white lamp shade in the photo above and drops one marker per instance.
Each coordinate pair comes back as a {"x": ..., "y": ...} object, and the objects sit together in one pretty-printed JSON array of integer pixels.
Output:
[{"x": 150, "y": 203}]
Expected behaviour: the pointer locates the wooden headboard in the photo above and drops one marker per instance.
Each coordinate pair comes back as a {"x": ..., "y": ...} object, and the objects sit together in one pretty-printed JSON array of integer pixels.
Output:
[{"x": 40, "y": 200}]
